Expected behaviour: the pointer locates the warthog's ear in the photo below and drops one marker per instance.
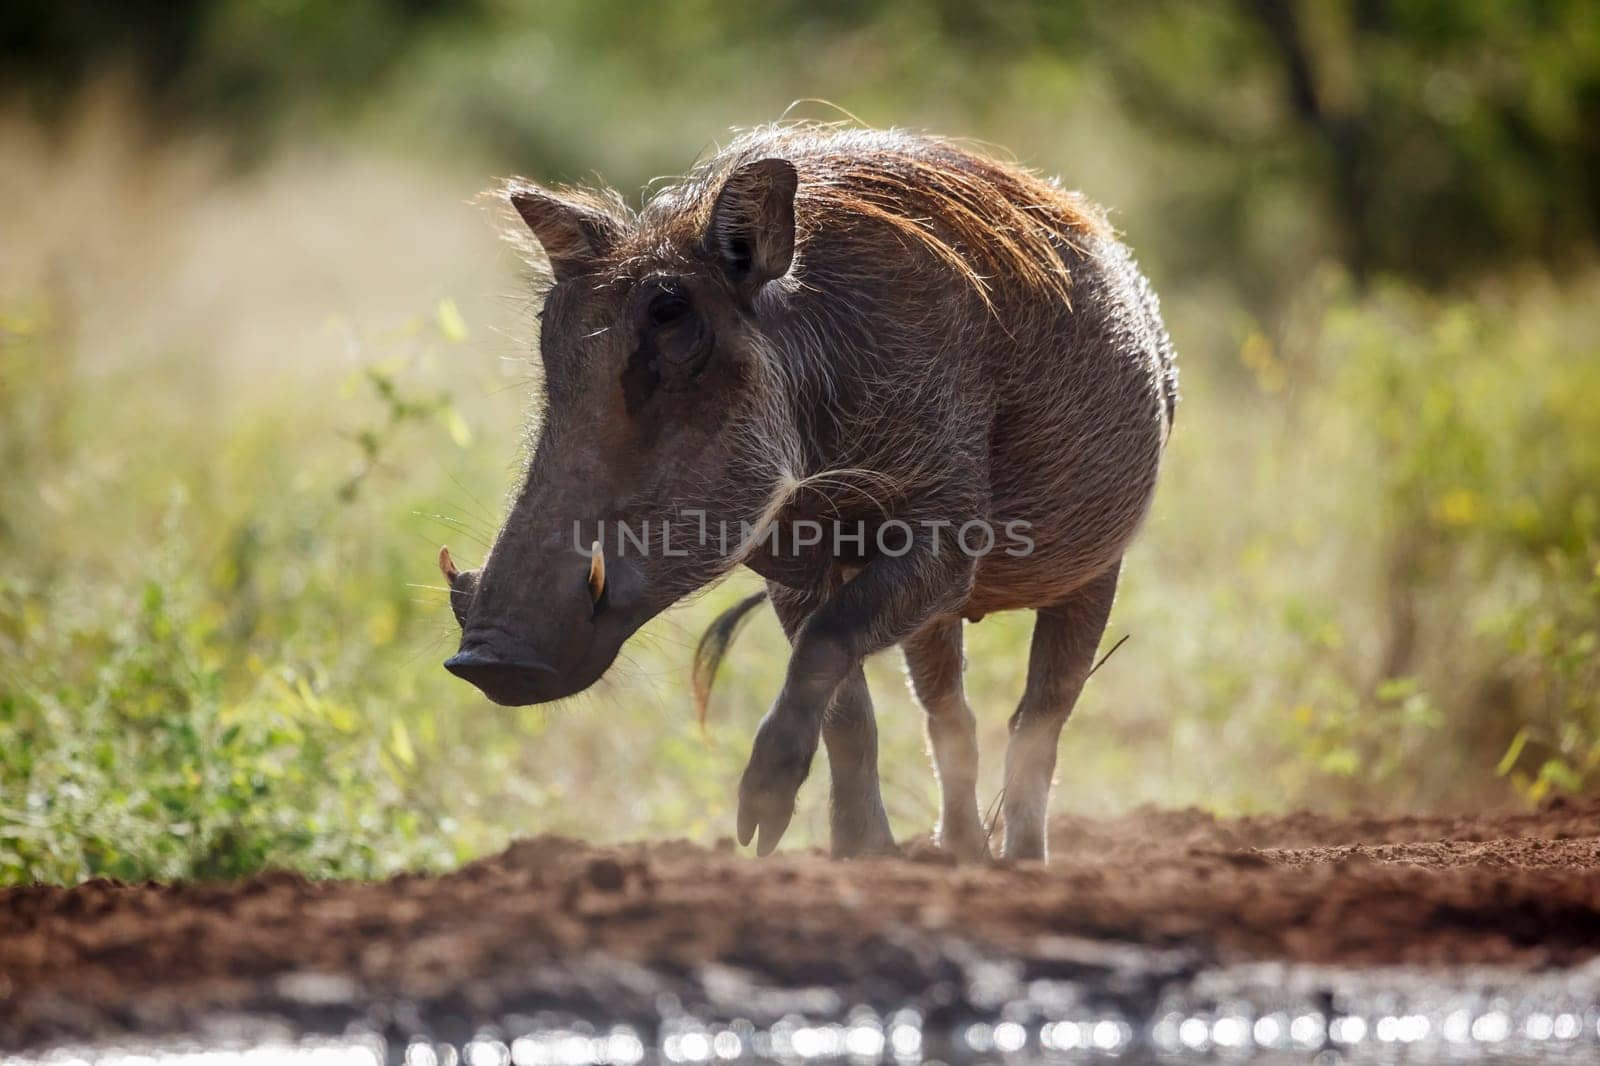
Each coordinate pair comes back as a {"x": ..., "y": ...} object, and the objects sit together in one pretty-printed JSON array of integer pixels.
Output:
[
  {"x": 752, "y": 223},
  {"x": 572, "y": 233}
]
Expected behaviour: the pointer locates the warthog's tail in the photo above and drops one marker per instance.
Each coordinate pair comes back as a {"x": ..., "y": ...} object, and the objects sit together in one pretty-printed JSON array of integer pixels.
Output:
[{"x": 713, "y": 645}]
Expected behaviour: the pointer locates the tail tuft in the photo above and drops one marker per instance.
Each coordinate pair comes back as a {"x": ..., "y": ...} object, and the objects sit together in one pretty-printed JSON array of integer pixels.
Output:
[{"x": 713, "y": 645}]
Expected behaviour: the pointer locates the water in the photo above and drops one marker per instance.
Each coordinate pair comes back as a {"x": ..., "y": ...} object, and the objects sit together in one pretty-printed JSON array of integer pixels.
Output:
[{"x": 1135, "y": 1008}]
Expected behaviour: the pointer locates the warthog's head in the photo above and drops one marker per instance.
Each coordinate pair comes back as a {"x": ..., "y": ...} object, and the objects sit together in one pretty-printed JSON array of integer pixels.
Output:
[{"x": 660, "y": 412}]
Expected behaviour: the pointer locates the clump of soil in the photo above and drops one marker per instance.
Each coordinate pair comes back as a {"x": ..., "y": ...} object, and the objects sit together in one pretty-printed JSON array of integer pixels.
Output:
[{"x": 555, "y": 921}]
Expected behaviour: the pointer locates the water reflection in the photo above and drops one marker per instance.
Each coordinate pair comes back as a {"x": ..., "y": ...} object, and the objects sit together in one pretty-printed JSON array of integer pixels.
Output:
[
  {"x": 1262, "y": 1014},
  {"x": 354, "y": 1052}
]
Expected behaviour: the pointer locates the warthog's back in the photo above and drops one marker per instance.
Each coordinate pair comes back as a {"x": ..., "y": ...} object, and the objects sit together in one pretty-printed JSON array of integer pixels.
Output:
[{"x": 948, "y": 311}]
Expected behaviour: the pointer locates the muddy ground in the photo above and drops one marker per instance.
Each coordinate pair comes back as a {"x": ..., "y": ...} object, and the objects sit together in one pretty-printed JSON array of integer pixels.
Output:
[{"x": 558, "y": 924}]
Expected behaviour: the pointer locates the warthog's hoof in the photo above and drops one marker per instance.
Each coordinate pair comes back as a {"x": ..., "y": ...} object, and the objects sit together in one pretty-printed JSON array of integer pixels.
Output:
[
  {"x": 861, "y": 832},
  {"x": 966, "y": 839},
  {"x": 779, "y": 762}
]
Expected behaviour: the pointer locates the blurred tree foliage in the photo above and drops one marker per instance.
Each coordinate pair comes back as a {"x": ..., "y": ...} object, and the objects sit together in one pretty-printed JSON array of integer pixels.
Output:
[
  {"x": 1440, "y": 138},
  {"x": 238, "y": 62},
  {"x": 1433, "y": 138}
]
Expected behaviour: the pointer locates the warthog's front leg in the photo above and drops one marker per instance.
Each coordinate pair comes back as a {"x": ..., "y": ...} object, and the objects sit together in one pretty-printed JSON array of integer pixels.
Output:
[
  {"x": 887, "y": 600},
  {"x": 859, "y": 824}
]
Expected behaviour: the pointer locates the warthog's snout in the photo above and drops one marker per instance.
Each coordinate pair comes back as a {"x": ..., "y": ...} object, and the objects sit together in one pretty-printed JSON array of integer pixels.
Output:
[
  {"x": 490, "y": 659},
  {"x": 506, "y": 677},
  {"x": 518, "y": 655}
]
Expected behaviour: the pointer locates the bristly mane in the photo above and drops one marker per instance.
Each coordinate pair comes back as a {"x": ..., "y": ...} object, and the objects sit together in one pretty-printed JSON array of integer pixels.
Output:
[{"x": 982, "y": 217}]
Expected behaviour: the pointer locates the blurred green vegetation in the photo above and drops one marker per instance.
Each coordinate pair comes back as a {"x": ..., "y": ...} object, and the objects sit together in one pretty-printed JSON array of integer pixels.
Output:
[
  {"x": 1373, "y": 573},
  {"x": 1437, "y": 138}
]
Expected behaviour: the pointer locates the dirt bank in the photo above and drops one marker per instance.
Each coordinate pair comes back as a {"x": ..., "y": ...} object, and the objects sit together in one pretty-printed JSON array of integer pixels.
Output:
[{"x": 553, "y": 922}]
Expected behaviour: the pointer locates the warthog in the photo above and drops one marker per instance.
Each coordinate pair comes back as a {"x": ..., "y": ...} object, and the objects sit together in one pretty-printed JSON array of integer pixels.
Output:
[{"x": 945, "y": 363}]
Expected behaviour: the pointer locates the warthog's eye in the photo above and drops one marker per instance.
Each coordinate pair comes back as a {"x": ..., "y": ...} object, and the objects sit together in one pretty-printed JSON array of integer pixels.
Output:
[
  {"x": 674, "y": 342},
  {"x": 667, "y": 307}
]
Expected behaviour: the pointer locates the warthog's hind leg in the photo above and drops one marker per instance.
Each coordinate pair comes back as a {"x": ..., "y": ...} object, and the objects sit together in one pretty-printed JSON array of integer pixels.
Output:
[
  {"x": 1064, "y": 641},
  {"x": 934, "y": 664}
]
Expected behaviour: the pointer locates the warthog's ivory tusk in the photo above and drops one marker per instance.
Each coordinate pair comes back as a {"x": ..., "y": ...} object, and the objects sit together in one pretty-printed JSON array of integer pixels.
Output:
[{"x": 597, "y": 571}]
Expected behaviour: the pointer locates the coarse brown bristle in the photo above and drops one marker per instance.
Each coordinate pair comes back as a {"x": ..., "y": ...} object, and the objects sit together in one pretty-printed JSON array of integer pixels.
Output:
[{"x": 981, "y": 217}]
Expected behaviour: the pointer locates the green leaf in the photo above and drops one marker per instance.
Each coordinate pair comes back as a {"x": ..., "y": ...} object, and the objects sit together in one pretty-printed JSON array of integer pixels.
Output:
[
  {"x": 1342, "y": 761},
  {"x": 1513, "y": 752},
  {"x": 460, "y": 432},
  {"x": 1396, "y": 688},
  {"x": 400, "y": 744},
  {"x": 450, "y": 323},
  {"x": 1564, "y": 777}
]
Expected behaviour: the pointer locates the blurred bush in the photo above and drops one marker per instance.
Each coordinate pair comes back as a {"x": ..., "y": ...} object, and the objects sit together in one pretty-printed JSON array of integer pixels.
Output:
[{"x": 1373, "y": 574}]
